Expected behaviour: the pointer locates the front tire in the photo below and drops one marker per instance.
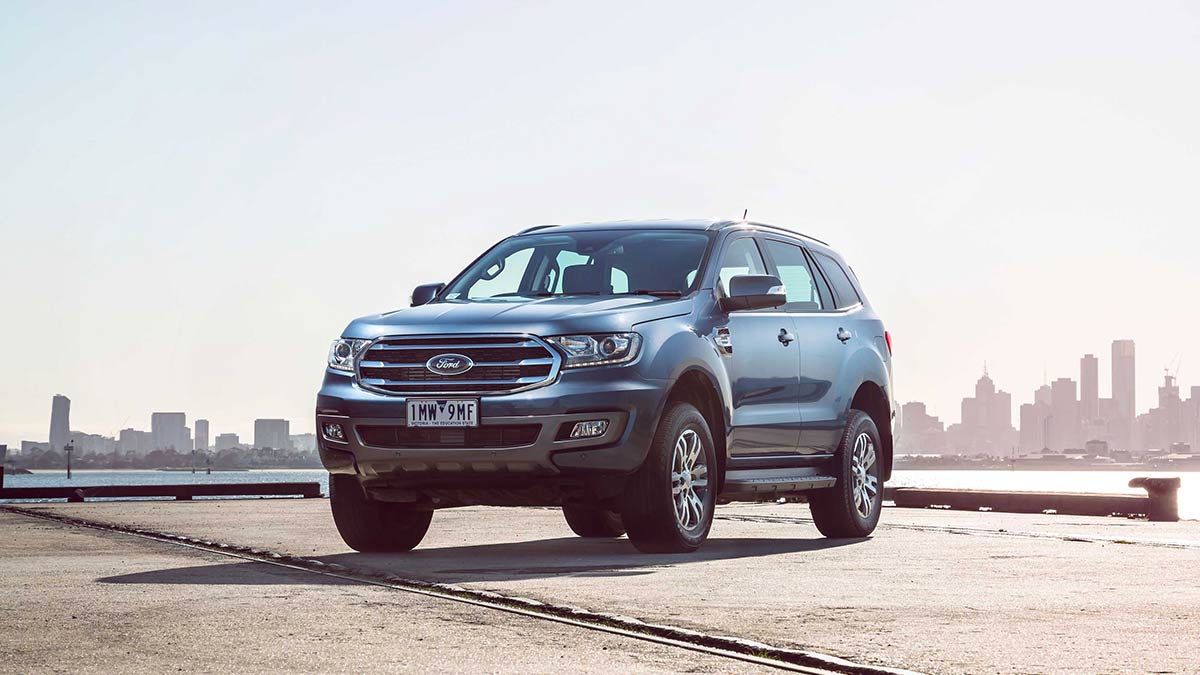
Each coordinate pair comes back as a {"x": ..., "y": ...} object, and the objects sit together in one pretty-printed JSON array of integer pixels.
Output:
[
  {"x": 593, "y": 523},
  {"x": 370, "y": 526},
  {"x": 668, "y": 506},
  {"x": 851, "y": 508}
]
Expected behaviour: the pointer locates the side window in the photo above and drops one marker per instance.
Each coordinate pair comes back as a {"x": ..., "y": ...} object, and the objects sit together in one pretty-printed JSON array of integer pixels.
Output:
[
  {"x": 843, "y": 288},
  {"x": 792, "y": 268},
  {"x": 740, "y": 257}
]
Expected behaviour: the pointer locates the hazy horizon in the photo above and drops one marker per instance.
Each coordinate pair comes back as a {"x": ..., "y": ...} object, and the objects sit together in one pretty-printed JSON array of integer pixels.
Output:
[{"x": 196, "y": 200}]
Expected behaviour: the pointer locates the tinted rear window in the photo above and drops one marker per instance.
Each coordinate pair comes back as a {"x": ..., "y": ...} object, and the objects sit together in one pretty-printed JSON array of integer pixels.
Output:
[{"x": 843, "y": 288}]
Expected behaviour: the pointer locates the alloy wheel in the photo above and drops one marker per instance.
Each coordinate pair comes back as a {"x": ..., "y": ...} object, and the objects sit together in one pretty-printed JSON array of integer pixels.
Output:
[
  {"x": 689, "y": 480},
  {"x": 865, "y": 483}
]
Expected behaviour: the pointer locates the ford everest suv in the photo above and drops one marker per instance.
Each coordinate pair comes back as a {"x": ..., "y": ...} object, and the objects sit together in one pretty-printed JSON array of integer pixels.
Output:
[{"x": 635, "y": 374}]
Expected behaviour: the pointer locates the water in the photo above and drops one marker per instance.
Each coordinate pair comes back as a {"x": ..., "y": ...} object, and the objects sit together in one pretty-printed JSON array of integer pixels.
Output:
[
  {"x": 1110, "y": 482},
  {"x": 48, "y": 478}
]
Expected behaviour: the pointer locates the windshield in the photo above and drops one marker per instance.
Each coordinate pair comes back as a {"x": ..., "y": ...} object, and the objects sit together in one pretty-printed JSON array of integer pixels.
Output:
[{"x": 595, "y": 262}]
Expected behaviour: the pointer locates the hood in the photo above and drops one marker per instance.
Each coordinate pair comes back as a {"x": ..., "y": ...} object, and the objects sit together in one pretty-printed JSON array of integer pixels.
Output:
[{"x": 540, "y": 316}]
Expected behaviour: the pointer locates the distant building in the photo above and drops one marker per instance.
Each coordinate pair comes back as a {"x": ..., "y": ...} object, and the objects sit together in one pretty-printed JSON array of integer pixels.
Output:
[
  {"x": 1124, "y": 392},
  {"x": 86, "y": 443},
  {"x": 986, "y": 425},
  {"x": 226, "y": 442},
  {"x": 304, "y": 442},
  {"x": 1064, "y": 416},
  {"x": 1089, "y": 388},
  {"x": 169, "y": 431},
  {"x": 60, "y": 422},
  {"x": 1035, "y": 427},
  {"x": 270, "y": 433},
  {"x": 28, "y": 447},
  {"x": 917, "y": 432},
  {"x": 136, "y": 442},
  {"x": 201, "y": 434}
]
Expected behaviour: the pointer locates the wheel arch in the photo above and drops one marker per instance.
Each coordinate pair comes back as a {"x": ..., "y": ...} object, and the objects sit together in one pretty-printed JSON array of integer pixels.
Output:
[
  {"x": 872, "y": 399},
  {"x": 698, "y": 387}
]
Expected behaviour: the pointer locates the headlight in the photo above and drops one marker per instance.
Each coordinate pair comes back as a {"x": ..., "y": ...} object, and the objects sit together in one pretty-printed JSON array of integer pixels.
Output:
[
  {"x": 597, "y": 350},
  {"x": 343, "y": 352}
]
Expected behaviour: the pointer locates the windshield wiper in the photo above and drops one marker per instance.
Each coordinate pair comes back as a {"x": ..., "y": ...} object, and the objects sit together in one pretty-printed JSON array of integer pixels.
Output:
[{"x": 660, "y": 294}]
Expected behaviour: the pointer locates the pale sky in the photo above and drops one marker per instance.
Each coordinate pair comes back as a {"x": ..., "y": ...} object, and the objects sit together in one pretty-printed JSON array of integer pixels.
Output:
[{"x": 195, "y": 200}]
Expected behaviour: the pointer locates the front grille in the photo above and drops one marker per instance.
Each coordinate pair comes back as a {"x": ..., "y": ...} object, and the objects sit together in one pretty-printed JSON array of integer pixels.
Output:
[
  {"x": 503, "y": 364},
  {"x": 491, "y": 436}
]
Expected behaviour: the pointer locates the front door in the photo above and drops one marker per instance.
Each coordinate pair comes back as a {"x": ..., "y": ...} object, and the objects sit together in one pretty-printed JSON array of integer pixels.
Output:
[{"x": 763, "y": 363}]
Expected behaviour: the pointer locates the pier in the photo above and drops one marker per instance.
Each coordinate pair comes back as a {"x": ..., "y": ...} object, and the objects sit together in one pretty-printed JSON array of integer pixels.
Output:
[{"x": 511, "y": 590}]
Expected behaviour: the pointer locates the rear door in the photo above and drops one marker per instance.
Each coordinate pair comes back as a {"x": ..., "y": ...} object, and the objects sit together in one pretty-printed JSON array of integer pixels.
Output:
[
  {"x": 816, "y": 323},
  {"x": 764, "y": 370}
]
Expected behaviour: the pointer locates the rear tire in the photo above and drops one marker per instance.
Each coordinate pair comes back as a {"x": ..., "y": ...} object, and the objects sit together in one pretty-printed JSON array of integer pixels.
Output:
[
  {"x": 851, "y": 508},
  {"x": 593, "y": 523},
  {"x": 371, "y": 526},
  {"x": 668, "y": 503}
]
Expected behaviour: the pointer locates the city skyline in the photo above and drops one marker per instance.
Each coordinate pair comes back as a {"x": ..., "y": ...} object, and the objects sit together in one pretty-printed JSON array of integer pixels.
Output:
[
  {"x": 992, "y": 420},
  {"x": 1065, "y": 414},
  {"x": 168, "y": 431}
]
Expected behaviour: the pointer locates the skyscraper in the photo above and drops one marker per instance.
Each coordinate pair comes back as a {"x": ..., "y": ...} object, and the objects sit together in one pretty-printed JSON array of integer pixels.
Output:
[
  {"x": 1089, "y": 387},
  {"x": 272, "y": 434},
  {"x": 1124, "y": 391},
  {"x": 168, "y": 431},
  {"x": 201, "y": 434},
  {"x": 1064, "y": 415},
  {"x": 60, "y": 422}
]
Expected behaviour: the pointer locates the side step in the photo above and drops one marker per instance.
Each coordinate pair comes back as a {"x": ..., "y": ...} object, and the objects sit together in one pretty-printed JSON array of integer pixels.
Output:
[{"x": 775, "y": 484}]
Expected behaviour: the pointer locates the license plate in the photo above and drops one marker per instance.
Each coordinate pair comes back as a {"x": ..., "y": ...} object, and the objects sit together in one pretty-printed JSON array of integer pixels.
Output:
[{"x": 443, "y": 412}]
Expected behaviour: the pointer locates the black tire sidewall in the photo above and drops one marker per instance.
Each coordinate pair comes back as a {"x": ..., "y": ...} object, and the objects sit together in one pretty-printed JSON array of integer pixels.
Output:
[
  {"x": 649, "y": 507},
  {"x": 846, "y": 481},
  {"x": 696, "y": 422}
]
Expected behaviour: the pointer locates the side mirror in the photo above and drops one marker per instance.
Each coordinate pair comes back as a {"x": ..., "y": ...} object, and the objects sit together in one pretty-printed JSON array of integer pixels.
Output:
[
  {"x": 754, "y": 291},
  {"x": 425, "y": 292}
]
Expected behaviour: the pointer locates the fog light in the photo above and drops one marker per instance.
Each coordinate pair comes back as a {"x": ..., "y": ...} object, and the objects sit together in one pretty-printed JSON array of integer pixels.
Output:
[
  {"x": 590, "y": 429},
  {"x": 333, "y": 431}
]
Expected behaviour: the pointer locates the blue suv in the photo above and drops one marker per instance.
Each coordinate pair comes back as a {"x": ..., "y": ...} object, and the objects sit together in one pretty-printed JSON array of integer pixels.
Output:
[{"x": 636, "y": 374}]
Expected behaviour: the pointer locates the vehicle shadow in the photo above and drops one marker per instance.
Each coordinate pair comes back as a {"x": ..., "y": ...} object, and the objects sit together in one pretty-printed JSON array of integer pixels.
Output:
[{"x": 565, "y": 556}]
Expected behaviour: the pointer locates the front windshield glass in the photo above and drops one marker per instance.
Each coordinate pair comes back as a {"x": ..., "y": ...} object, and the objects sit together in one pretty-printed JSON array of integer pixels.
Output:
[{"x": 594, "y": 262}]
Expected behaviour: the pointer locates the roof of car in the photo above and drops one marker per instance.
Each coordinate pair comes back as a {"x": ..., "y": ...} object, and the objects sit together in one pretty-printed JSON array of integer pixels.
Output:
[{"x": 662, "y": 224}]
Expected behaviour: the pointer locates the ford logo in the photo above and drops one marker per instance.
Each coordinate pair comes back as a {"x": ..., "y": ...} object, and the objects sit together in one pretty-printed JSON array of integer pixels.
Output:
[{"x": 449, "y": 364}]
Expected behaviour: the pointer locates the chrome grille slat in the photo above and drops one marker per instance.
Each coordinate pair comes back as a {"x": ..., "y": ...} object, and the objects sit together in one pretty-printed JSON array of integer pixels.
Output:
[
  {"x": 452, "y": 347},
  {"x": 503, "y": 364},
  {"x": 421, "y": 364},
  {"x": 438, "y": 383}
]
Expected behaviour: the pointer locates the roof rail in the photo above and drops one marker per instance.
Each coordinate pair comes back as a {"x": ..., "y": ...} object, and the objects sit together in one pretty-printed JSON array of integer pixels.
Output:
[
  {"x": 533, "y": 229},
  {"x": 775, "y": 227}
]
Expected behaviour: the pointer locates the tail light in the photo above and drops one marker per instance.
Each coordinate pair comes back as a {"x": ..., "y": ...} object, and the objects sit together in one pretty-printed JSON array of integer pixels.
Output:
[{"x": 888, "y": 337}]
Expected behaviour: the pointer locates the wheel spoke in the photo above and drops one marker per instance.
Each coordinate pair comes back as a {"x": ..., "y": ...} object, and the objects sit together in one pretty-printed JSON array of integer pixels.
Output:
[
  {"x": 872, "y": 484},
  {"x": 697, "y": 507},
  {"x": 694, "y": 448}
]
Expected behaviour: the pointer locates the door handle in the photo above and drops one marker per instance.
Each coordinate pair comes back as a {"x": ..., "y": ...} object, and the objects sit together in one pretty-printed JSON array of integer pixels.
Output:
[
  {"x": 785, "y": 337},
  {"x": 844, "y": 335}
]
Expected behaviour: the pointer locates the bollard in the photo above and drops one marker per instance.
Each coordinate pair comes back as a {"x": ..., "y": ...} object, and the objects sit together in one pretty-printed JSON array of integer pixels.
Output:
[{"x": 1164, "y": 497}]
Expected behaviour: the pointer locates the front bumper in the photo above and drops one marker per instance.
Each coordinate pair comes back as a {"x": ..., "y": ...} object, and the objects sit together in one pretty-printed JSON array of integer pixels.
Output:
[{"x": 630, "y": 404}]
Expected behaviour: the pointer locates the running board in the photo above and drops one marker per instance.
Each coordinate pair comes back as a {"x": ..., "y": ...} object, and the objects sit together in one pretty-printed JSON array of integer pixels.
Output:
[{"x": 775, "y": 484}]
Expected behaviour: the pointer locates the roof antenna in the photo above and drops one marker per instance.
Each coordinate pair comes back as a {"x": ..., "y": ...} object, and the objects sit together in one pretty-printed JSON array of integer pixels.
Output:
[{"x": 744, "y": 212}]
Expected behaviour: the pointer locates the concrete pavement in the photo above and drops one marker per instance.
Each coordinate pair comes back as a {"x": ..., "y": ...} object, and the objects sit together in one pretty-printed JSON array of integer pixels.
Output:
[
  {"x": 77, "y": 600},
  {"x": 933, "y": 591}
]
